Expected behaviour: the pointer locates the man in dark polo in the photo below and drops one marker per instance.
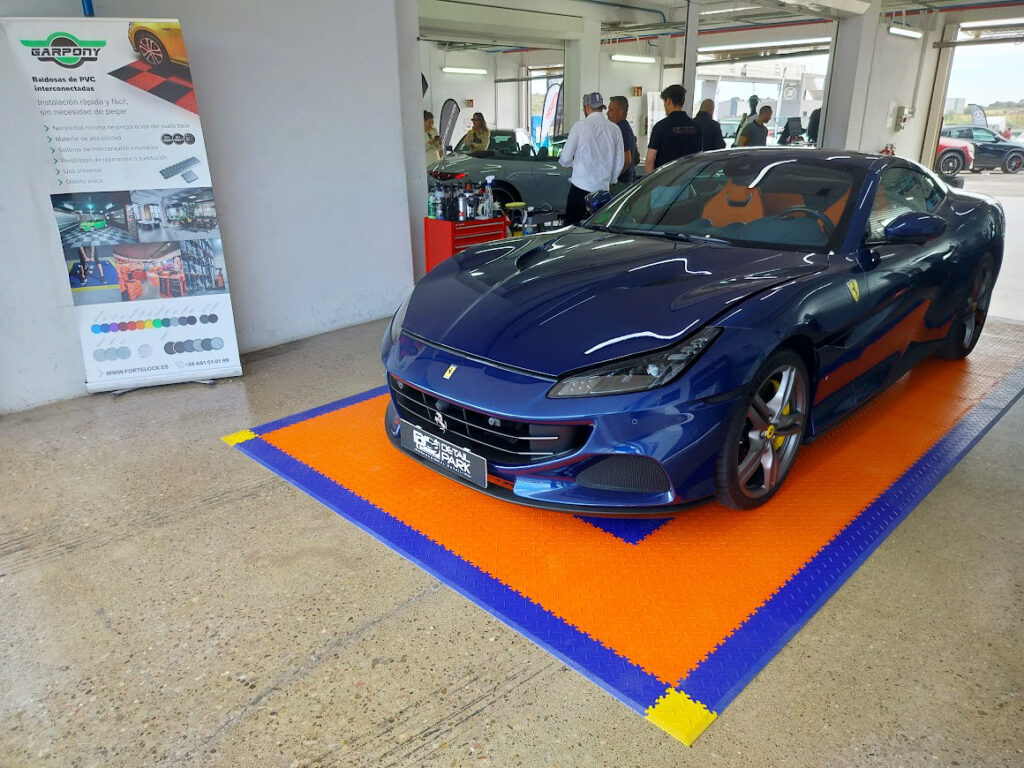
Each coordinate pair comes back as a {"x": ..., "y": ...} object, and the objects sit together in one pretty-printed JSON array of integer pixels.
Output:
[
  {"x": 710, "y": 128},
  {"x": 674, "y": 136}
]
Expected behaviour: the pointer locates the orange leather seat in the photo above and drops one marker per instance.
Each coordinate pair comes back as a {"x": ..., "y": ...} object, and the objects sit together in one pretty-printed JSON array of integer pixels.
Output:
[
  {"x": 835, "y": 211},
  {"x": 777, "y": 202},
  {"x": 734, "y": 203}
]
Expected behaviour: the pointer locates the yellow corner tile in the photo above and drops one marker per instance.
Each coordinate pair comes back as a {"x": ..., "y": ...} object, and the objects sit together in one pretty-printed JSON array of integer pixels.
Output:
[
  {"x": 680, "y": 716},
  {"x": 239, "y": 437}
]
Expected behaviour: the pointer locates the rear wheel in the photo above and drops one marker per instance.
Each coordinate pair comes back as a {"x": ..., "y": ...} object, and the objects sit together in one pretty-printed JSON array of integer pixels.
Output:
[
  {"x": 970, "y": 317},
  {"x": 764, "y": 434},
  {"x": 505, "y": 194},
  {"x": 1013, "y": 162},
  {"x": 950, "y": 163}
]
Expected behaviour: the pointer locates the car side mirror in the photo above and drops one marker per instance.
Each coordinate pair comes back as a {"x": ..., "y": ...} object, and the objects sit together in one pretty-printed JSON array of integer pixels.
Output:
[
  {"x": 914, "y": 228},
  {"x": 868, "y": 258},
  {"x": 595, "y": 201},
  {"x": 956, "y": 181},
  {"x": 449, "y": 148}
]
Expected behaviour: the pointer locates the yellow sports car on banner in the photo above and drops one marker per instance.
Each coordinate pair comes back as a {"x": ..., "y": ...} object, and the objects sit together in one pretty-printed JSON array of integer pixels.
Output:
[{"x": 158, "y": 42}]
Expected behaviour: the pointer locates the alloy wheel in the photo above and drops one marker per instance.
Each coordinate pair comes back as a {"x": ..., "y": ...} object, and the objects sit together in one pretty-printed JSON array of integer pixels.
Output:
[
  {"x": 150, "y": 50},
  {"x": 976, "y": 309},
  {"x": 774, "y": 427},
  {"x": 950, "y": 164}
]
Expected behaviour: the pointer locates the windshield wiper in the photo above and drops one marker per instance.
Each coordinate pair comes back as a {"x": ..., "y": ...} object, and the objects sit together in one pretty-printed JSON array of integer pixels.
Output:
[{"x": 684, "y": 236}]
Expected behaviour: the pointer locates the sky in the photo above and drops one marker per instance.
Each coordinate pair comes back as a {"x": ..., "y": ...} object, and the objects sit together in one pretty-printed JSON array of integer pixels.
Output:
[{"x": 986, "y": 73}]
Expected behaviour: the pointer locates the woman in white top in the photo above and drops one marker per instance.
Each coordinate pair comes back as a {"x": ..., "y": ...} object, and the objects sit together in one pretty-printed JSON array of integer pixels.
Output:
[{"x": 432, "y": 139}]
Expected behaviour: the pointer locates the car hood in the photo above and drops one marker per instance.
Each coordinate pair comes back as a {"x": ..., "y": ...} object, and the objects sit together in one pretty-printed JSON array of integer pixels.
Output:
[{"x": 565, "y": 301}]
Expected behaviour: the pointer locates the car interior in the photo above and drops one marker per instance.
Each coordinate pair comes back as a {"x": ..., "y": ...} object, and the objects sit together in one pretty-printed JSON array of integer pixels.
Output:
[{"x": 782, "y": 204}]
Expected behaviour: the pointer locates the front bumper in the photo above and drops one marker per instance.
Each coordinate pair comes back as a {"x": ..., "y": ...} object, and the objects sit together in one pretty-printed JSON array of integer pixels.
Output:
[{"x": 660, "y": 425}]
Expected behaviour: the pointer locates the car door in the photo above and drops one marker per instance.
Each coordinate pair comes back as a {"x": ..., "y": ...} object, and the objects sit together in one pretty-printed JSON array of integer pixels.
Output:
[
  {"x": 990, "y": 151},
  {"x": 907, "y": 284}
]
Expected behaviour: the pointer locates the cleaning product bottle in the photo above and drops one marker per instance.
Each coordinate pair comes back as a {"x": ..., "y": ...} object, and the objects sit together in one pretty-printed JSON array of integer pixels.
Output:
[
  {"x": 489, "y": 198},
  {"x": 439, "y": 203}
]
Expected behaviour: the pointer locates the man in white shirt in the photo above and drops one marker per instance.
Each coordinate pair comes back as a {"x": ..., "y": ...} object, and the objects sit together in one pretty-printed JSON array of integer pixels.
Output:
[{"x": 595, "y": 153}]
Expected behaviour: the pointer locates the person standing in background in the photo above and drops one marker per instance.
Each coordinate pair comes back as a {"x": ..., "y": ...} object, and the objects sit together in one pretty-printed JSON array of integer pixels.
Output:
[
  {"x": 812, "y": 126},
  {"x": 594, "y": 151},
  {"x": 710, "y": 129},
  {"x": 478, "y": 137},
  {"x": 755, "y": 134},
  {"x": 431, "y": 138},
  {"x": 618, "y": 109},
  {"x": 675, "y": 135}
]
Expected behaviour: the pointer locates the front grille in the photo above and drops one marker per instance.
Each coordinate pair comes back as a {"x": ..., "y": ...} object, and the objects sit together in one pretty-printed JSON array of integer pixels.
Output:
[
  {"x": 630, "y": 474},
  {"x": 503, "y": 441}
]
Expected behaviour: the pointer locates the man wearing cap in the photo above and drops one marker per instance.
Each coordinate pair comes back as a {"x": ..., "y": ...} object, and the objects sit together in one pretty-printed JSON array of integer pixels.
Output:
[{"x": 594, "y": 151}]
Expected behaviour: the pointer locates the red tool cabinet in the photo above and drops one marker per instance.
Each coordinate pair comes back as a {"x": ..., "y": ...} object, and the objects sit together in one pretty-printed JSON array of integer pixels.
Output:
[{"x": 446, "y": 238}]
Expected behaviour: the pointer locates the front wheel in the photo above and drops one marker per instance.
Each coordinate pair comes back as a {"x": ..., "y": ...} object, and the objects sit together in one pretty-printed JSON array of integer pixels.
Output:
[
  {"x": 970, "y": 317},
  {"x": 150, "y": 49},
  {"x": 1013, "y": 162},
  {"x": 764, "y": 434}
]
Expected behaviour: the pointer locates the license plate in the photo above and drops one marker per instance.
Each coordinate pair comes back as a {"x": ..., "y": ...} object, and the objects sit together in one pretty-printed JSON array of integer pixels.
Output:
[{"x": 456, "y": 460}]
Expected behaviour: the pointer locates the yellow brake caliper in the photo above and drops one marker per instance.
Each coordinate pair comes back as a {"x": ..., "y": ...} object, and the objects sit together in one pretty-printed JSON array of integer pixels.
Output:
[{"x": 777, "y": 441}]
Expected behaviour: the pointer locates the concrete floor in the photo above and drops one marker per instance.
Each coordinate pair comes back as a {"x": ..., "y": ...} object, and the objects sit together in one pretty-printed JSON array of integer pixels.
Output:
[{"x": 168, "y": 602}]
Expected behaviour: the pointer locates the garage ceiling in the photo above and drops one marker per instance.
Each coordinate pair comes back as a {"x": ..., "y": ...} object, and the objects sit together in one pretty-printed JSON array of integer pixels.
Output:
[{"x": 477, "y": 24}]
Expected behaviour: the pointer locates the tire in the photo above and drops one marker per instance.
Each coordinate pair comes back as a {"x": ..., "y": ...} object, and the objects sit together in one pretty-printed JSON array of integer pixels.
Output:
[
  {"x": 764, "y": 433},
  {"x": 950, "y": 163},
  {"x": 1013, "y": 162},
  {"x": 970, "y": 318},
  {"x": 150, "y": 49},
  {"x": 505, "y": 194}
]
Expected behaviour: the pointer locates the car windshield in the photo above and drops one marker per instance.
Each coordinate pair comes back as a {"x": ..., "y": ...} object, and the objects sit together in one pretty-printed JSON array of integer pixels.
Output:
[
  {"x": 502, "y": 144},
  {"x": 756, "y": 199}
]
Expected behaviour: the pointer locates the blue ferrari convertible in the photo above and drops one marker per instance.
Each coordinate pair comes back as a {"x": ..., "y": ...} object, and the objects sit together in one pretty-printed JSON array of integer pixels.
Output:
[{"x": 686, "y": 339}]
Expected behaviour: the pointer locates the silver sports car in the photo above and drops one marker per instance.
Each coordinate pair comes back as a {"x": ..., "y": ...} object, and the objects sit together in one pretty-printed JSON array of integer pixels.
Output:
[{"x": 521, "y": 171}]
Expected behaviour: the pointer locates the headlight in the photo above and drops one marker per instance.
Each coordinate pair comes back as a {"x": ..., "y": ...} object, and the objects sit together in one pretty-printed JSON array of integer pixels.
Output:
[
  {"x": 647, "y": 371},
  {"x": 399, "y": 319}
]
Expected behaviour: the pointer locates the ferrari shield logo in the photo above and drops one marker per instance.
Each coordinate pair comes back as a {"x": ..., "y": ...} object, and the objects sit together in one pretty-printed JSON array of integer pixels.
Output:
[
  {"x": 853, "y": 285},
  {"x": 450, "y": 371}
]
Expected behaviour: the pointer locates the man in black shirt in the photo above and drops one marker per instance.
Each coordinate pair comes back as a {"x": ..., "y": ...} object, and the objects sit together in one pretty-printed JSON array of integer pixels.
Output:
[
  {"x": 709, "y": 127},
  {"x": 618, "y": 110},
  {"x": 674, "y": 136}
]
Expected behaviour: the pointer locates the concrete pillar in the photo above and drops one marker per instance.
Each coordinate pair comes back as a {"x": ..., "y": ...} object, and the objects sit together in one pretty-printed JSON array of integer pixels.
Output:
[
  {"x": 582, "y": 69},
  {"x": 937, "y": 106},
  {"x": 690, "y": 54},
  {"x": 849, "y": 74}
]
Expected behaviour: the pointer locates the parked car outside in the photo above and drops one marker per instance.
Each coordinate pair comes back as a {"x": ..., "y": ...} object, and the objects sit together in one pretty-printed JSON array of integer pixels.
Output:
[
  {"x": 990, "y": 149},
  {"x": 953, "y": 156},
  {"x": 682, "y": 342}
]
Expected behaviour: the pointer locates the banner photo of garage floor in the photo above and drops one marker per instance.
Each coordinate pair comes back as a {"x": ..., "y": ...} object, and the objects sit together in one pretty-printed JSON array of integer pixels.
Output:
[
  {"x": 673, "y": 616},
  {"x": 131, "y": 197}
]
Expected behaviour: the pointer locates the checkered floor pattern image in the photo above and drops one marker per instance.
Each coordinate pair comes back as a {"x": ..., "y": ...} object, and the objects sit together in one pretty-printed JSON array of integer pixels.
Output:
[
  {"x": 108, "y": 235},
  {"x": 674, "y": 616},
  {"x": 168, "y": 81}
]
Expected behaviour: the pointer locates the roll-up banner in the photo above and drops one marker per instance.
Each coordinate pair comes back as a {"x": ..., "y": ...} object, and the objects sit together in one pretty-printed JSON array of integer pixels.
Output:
[{"x": 133, "y": 210}]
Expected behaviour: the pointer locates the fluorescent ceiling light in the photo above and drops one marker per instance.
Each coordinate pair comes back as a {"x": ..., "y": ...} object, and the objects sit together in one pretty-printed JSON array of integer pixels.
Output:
[
  {"x": 982, "y": 24},
  {"x": 633, "y": 59},
  {"x": 914, "y": 34},
  {"x": 463, "y": 71},
  {"x": 730, "y": 10},
  {"x": 778, "y": 44}
]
